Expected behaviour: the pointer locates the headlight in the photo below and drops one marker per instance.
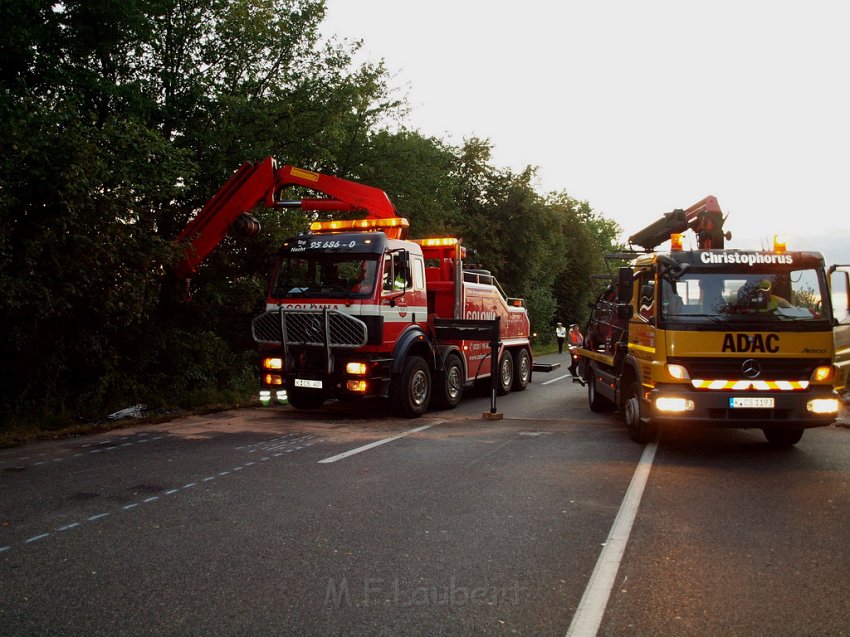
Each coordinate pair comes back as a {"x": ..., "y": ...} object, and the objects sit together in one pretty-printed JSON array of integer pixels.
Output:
[
  {"x": 272, "y": 363},
  {"x": 674, "y": 405},
  {"x": 678, "y": 372},
  {"x": 823, "y": 406},
  {"x": 355, "y": 369},
  {"x": 824, "y": 372}
]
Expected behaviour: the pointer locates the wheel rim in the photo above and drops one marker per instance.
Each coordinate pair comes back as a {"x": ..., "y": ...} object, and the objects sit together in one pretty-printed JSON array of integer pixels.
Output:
[
  {"x": 419, "y": 387},
  {"x": 524, "y": 368},
  {"x": 632, "y": 412},
  {"x": 453, "y": 383},
  {"x": 507, "y": 372}
]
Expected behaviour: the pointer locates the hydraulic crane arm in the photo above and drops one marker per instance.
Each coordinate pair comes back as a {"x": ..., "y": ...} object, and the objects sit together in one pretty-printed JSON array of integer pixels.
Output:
[
  {"x": 704, "y": 218},
  {"x": 260, "y": 184}
]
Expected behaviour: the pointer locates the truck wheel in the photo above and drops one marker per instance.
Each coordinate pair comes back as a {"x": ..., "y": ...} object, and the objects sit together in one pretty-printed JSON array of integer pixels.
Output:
[
  {"x": 522, "y": 370},
  {"x": 505, "y": 373},
  {"x": 598, "y": 404},
  {"x": 783, "y": 437},
  {"x": 448, "y": 389},
  {"x": 639, "y": 431},
  {"x": 411, "y": 390},
  {"x": 305, "y": 398}
]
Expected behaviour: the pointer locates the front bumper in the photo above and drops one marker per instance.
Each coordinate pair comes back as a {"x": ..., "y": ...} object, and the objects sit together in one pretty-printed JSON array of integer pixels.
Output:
[{"x": 713, "y": 409}]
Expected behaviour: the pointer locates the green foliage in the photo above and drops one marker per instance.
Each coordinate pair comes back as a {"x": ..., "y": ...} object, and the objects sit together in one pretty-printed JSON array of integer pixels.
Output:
[{"x": 119, "y": 120}]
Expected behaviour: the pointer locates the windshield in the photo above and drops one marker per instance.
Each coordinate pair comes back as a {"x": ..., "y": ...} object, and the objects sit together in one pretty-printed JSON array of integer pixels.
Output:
[
  {"x": 766, "y": 297},
  {"x": 325, "y": 275}
]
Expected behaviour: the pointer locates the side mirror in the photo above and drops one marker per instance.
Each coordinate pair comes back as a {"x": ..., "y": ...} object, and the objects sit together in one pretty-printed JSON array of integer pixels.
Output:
[{"x": 625, "y": 311}]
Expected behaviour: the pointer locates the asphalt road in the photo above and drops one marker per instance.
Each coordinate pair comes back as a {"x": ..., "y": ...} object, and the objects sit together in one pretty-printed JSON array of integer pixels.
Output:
[{"x": 263, "y": 522}]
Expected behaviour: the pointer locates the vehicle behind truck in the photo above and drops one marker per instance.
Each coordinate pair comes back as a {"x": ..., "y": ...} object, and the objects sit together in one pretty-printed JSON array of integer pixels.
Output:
[{"x": 714, "y": 337}]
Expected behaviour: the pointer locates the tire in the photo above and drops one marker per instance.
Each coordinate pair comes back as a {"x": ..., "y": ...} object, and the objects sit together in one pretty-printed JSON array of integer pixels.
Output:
[
  {"x": 522, "y": 370},
  {"x": 305, "y": 398},
  {"x": 639, "y": 430},
  {"x": 598, "y": 404},
  {"x": 411, "y": 390},
  {"x": 505, "y": 375},
  {"x": 448, "y": 388},
  {"x": 783, "y": 437}
]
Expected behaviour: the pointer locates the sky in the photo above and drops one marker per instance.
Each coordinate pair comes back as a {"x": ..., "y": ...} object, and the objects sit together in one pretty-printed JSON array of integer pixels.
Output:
[{"x": 639, "y": 107}]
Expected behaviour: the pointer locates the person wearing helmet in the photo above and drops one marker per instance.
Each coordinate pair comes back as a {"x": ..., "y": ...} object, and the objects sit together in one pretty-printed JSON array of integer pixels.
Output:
[{"x": 773, "y": 301}]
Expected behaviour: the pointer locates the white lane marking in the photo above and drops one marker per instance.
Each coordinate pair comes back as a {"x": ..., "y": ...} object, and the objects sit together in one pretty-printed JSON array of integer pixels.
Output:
[
  {"x": 555, "y": 380},
  {"x": 590, "y": 610},
  {"x": 372, "y": 445},
  {"x": 68, "y": 526},
  {"x": 149, "y": 499}
]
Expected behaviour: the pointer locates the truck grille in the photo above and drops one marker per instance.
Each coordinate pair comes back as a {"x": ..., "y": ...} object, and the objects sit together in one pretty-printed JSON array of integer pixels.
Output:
[
  {"x": 731, "y": 368},
  {"x": 309, "y": 327}
]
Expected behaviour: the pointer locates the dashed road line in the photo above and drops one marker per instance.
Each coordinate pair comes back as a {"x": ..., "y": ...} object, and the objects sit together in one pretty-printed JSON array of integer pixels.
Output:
[
  {"x": 99, "y": 448},
  {"x": 68, "y": 526},
  {"x": 150, "y": 499}
]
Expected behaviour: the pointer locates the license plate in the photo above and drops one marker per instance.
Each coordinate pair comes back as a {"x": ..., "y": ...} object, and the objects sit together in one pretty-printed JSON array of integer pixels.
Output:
[
  {"x": 304, "y": 382},
  {"x": 751, "y": 403}
]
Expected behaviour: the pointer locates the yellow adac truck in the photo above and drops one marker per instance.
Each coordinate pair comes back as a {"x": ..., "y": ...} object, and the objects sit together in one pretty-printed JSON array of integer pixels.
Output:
[{"x": 715, "y": 337}]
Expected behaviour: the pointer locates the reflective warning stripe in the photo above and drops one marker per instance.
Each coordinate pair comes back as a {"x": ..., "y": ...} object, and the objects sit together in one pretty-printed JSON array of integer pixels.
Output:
[{"x": 744, "y": 385}]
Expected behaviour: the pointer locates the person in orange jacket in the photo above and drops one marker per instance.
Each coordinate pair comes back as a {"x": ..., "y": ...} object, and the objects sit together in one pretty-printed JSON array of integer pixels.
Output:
[{"x": 575, "y": 341}]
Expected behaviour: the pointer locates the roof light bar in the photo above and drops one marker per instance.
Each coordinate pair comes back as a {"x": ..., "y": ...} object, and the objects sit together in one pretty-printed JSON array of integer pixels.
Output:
[
  {"x": 395, "y": 227},
  {"x": 438, "y": 242}
]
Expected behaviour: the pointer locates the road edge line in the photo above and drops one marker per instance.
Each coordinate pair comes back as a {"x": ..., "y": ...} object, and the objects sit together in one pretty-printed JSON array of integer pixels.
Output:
[{"x": 594, "y": 601}]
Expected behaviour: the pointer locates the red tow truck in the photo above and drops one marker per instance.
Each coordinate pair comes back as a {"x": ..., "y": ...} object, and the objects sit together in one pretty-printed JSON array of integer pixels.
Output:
[{"x": 355, "y": 308}]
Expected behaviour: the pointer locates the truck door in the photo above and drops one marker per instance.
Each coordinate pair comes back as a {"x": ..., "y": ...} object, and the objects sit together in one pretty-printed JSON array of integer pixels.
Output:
[
  {"x": 403, "y": 292},
  {"x": 839, "y": 284}
]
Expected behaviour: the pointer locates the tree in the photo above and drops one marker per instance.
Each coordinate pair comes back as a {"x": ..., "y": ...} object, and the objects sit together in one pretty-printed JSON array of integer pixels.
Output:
[{"x": 118, "y": 121}]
